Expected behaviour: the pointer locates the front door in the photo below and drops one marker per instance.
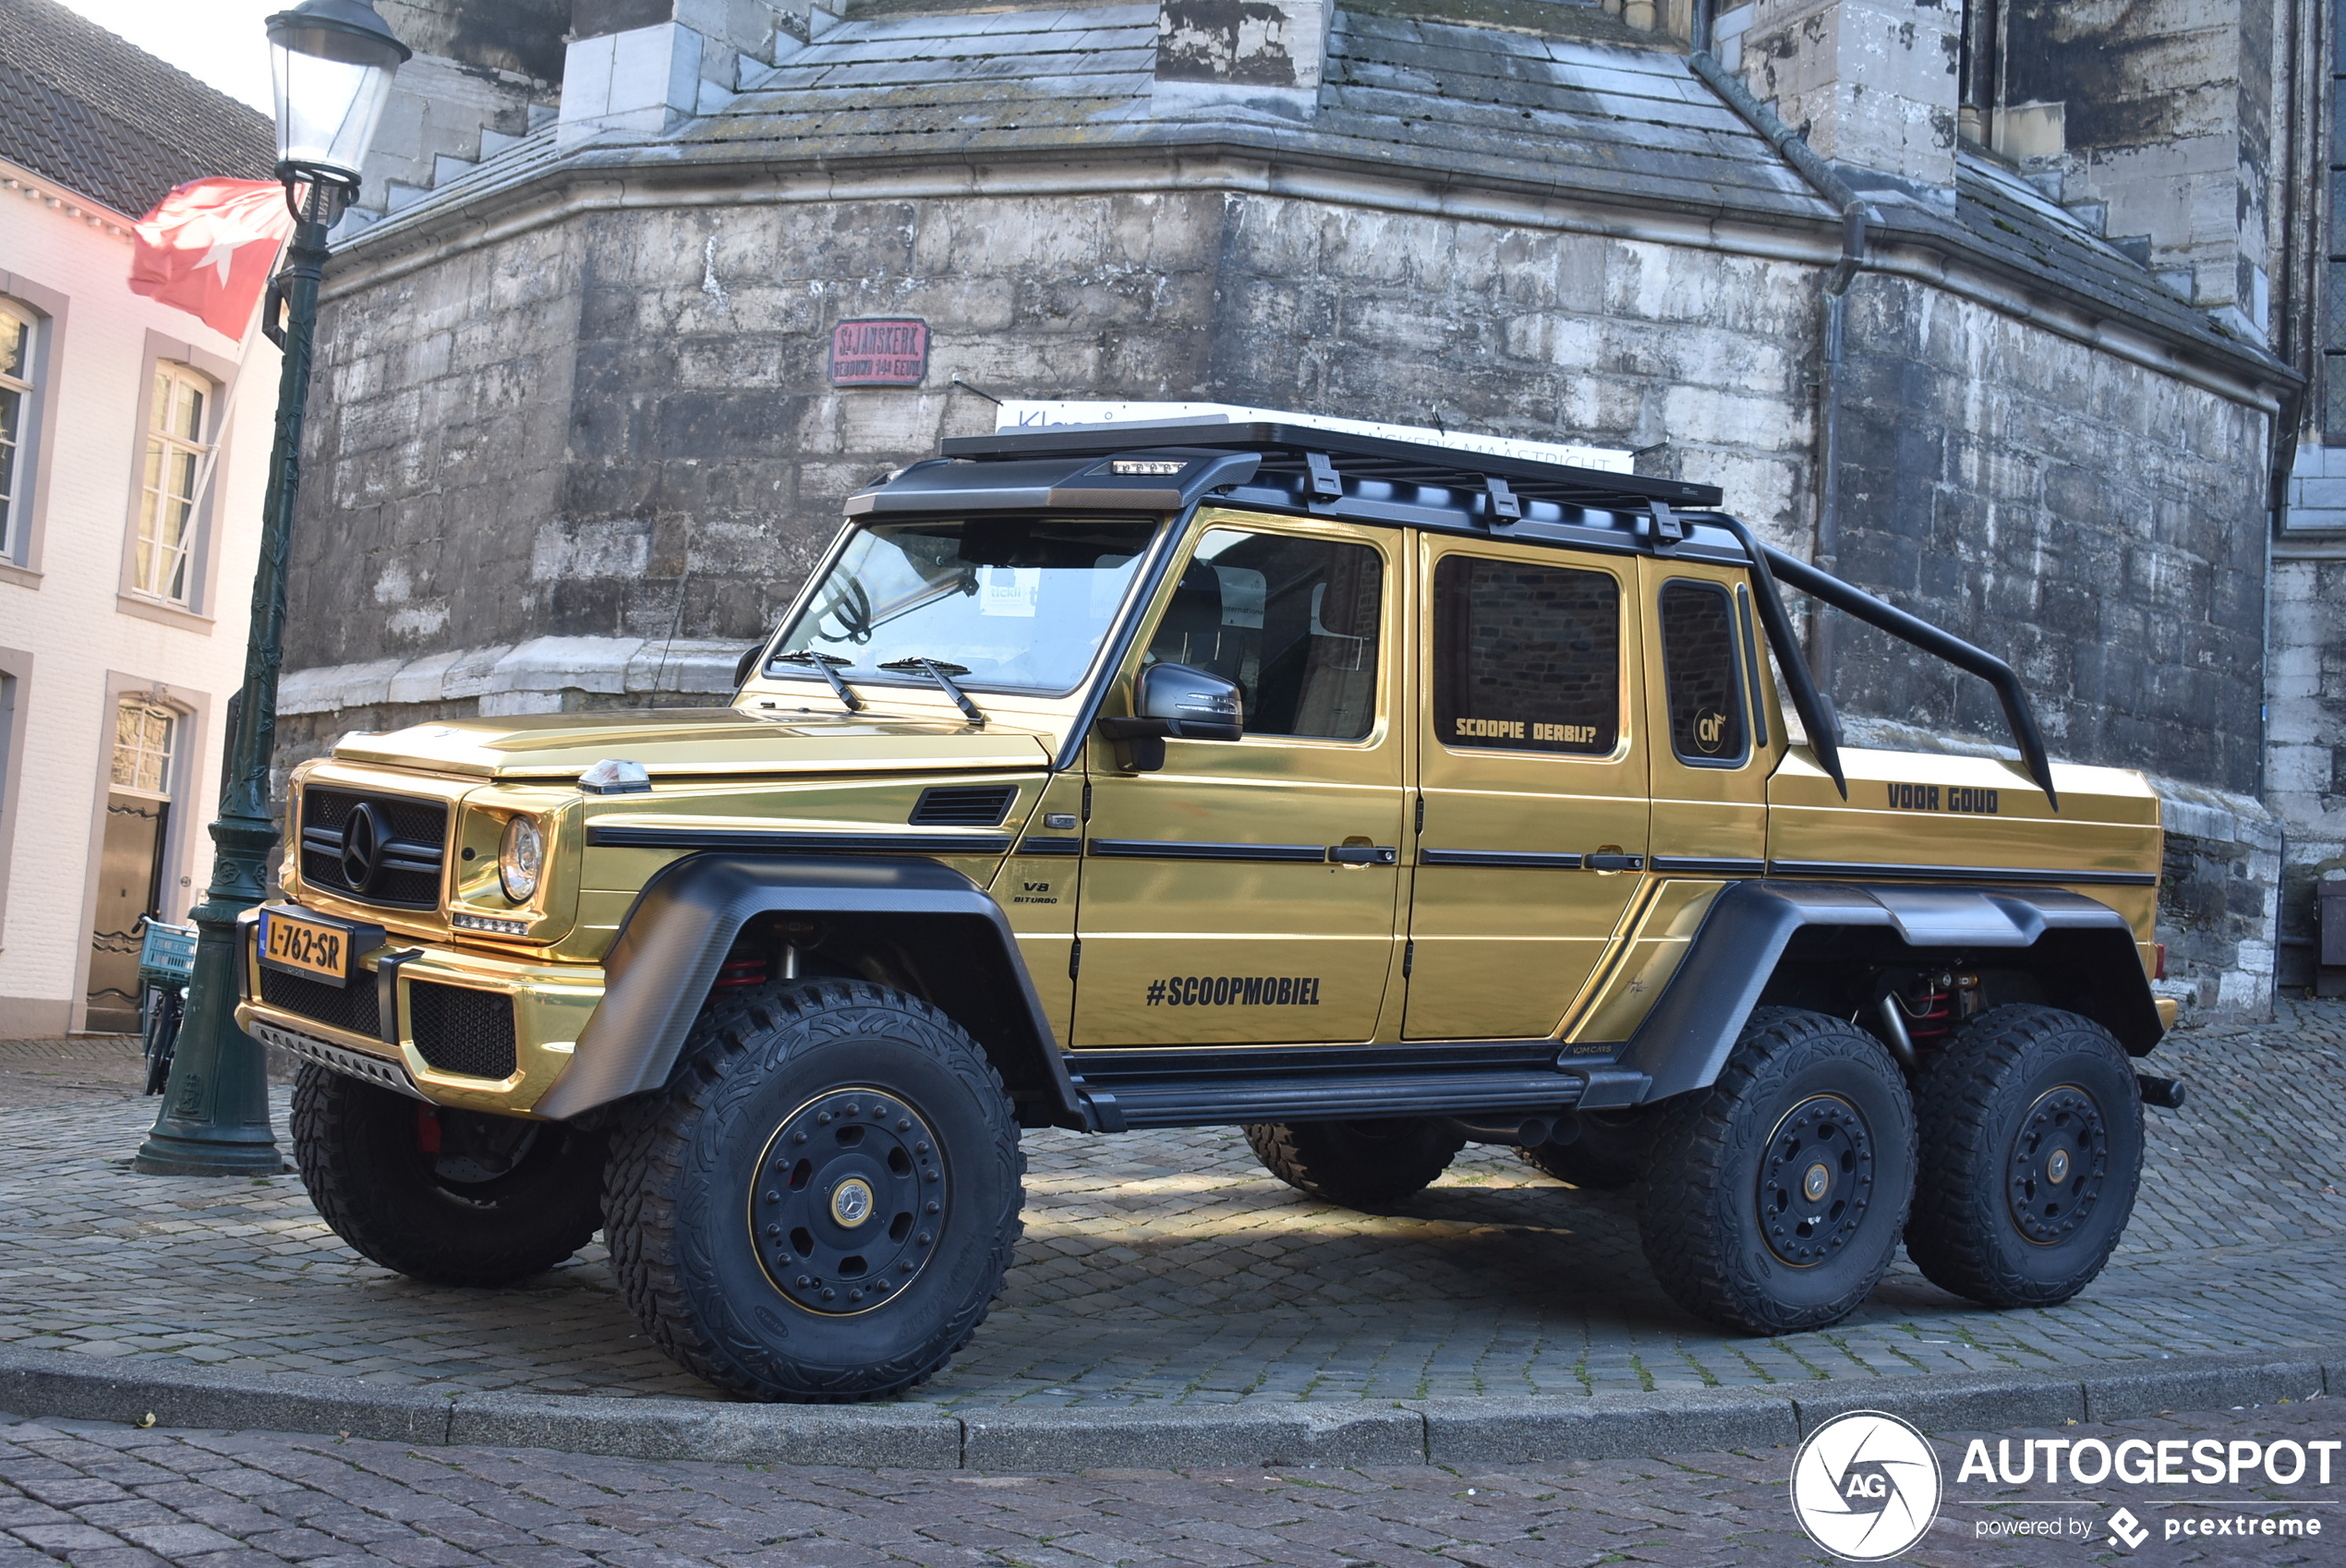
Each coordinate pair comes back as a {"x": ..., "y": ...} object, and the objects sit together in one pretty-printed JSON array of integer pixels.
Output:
[
  {"x": 130, "y": 859},
  {"x": 1247, "y": 892},
  {"x": 1533, "y": 767}
]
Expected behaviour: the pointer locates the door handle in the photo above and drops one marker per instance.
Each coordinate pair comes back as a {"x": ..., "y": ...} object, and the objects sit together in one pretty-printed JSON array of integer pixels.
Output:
[
  {"x": 1614, "y": 863},
  {"x": 1363, "y": 855}
]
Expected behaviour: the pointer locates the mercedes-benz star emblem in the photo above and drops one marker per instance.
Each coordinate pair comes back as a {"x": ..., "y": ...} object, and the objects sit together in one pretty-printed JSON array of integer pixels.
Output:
[{"x": 362, "y": 838}]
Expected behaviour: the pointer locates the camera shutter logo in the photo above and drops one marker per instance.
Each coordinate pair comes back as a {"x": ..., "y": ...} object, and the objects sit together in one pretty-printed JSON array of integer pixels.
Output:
[{"x": 1865, "y": 1485}]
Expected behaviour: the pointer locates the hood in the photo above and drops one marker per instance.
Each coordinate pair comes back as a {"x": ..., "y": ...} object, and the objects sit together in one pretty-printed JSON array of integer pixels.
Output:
[{"x": 693, "y": 742}]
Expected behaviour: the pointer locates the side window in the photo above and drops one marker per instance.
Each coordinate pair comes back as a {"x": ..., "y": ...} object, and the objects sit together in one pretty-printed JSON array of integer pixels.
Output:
[
  {"x": 1700, "y": 675},
  {"x": 1294, "y": 621},
  {"x": 167, "y": 502},
  {"x": 16, "y": 414},
  {"x": 1526, "y": 659}
]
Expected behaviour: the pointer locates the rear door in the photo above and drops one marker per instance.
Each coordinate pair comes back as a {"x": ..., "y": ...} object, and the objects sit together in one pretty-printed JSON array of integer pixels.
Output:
[
  {"x": 1248, "y": 891},
  {"x": 1713, "y": 746},
  {"x": 1532, "y": 776}
]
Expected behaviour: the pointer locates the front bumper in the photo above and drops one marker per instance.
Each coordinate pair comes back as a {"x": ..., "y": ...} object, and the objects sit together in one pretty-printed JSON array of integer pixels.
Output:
[{"x": 469, "y": 1030}]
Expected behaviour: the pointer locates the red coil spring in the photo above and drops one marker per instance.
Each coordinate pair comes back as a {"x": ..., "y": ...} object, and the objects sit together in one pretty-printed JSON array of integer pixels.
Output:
[
  {"x": 1929, "y": 1015},
  {"x": 741, "y": 972}
]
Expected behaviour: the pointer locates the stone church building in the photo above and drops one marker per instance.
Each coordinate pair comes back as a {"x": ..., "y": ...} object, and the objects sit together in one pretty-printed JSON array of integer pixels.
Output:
[{"x": 2013, "y": 311}]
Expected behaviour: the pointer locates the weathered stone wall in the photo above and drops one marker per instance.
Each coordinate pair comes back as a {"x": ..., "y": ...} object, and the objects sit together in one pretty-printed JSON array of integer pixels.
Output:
[
  {"x": 621, "y": 428},
  {"x": 2164, "y": 116},
  {"x": 2099, "y": 527},
  {"x": 2307, "y": 787}
]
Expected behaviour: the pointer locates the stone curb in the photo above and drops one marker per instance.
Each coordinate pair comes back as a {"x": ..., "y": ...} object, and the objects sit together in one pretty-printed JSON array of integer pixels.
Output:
[{"x": 1499, "y": 1428}]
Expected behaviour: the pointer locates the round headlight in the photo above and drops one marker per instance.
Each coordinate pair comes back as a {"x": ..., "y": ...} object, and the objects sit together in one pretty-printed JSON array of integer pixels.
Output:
[{"x": 520, "y": 858}]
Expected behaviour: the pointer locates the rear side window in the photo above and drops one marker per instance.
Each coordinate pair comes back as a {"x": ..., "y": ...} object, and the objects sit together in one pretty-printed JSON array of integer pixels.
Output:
[
  {"x": 1526, "y": 659},
  {"x": 1700, "y": 676}
]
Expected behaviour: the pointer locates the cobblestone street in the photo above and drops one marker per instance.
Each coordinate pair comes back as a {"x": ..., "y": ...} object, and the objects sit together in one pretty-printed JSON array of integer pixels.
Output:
[
  {"x": 114, "y": 1497},
  {"x": 1169, "y": 1267}
]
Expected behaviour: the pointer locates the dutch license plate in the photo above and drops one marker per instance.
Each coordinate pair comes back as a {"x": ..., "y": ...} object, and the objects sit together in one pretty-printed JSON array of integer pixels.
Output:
[{"x": 306, "y": 947}]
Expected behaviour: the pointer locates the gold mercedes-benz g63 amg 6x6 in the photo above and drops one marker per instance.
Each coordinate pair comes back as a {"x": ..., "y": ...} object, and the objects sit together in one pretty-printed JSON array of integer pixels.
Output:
[{"x": 1372, "y": 796}]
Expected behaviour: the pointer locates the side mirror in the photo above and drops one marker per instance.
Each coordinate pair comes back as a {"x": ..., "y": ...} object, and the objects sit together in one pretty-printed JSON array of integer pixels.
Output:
[
  {"x": 1175, "y": 699},
  {"x": 746, "y": 666}
]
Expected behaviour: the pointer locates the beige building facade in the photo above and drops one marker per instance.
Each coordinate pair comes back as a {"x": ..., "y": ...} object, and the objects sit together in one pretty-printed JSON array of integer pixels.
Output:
[{"x": 134, "y": 442}]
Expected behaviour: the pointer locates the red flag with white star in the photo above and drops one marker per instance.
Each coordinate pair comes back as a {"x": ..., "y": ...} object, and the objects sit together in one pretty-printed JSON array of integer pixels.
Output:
[{"x": 209, "y": 247}]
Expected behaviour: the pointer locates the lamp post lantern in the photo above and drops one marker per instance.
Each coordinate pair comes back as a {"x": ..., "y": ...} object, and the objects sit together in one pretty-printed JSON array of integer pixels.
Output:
[{"x": 333, "y": 61}]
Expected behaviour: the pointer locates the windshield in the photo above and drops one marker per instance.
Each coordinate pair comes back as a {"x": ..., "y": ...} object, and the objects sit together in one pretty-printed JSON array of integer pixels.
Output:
[{"x": 1019, "y": 603}]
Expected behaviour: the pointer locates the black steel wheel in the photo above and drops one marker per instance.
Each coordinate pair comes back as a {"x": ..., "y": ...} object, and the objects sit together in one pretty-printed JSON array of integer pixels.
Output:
[
  {"x": 853, "y": 1197},
  {"x": 2031, "y": 1143},
  {"x": 1609, "y": 1155},
  {"x": 1360, "y": 1164},
  {"x": 1775, "y": 1198},
  {"x": 822, "y": 1205},
  {"x": 449, "y": 1196}
]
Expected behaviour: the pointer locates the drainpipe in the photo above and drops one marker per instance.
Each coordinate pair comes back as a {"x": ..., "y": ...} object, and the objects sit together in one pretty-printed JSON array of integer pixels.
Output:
[{"x": 1855, "y": 215}]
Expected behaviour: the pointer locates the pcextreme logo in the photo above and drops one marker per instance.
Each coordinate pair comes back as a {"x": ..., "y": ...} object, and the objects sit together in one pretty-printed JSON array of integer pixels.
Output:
[{"x": 1865, "y": 1485}]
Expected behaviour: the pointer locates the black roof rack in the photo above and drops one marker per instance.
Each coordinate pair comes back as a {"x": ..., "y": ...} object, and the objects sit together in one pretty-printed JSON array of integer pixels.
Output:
[
  {"x": 1288, "y": 451},
  {"x": 1419, "y": 484}
]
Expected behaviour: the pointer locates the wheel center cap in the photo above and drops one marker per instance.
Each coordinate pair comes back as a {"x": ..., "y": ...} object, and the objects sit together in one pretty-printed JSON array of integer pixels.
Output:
[
  {"x": 852, "y": 1201},
  {"x": 1817, "y": 1183},
  {"x": 2057, "y": 1168}
]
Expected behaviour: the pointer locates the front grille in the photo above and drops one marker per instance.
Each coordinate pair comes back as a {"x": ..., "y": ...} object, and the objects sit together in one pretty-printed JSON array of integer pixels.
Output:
[
  {"x": 351, "y": 1007},
  {"x": 459, "y": 1029},
  {"x": 410, "y": 842},
  {"x": 981, "y": 805}
]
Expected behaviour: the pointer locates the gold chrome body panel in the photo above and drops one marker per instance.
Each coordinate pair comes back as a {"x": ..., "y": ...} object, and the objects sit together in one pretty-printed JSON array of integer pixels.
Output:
[{"x": 551, "y": 1004}]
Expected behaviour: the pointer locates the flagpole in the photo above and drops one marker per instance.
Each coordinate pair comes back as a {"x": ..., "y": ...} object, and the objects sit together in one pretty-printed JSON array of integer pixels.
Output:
[{"x": 227, "y": 408}]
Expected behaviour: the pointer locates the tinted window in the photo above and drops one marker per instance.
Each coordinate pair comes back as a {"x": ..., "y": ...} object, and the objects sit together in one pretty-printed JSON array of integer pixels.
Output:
[
  {"x": 1700, "y": 674},
  {"x": 1527, "y": 658},
  {"x": 1293, "y": 622}
]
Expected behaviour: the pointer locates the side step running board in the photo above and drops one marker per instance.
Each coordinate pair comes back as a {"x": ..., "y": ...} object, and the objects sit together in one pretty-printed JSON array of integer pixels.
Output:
[{"x": 1128, "y": 1106}]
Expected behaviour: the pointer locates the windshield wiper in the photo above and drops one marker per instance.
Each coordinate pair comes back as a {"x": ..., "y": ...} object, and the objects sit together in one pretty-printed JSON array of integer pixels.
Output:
[
  {"x": 828, "y": 664},
  {"x": 943, "y": 675}
]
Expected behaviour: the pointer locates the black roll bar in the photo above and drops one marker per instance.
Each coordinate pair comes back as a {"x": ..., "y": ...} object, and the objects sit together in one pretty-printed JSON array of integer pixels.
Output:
[{"x": 1816, "y": 717}]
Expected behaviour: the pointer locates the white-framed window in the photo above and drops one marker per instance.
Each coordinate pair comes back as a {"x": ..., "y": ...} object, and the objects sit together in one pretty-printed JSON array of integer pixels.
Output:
[
  {"x": 144, "y": 734},
  {"x": 17, "y": 325},
  {"x": 176, "y": 450}
]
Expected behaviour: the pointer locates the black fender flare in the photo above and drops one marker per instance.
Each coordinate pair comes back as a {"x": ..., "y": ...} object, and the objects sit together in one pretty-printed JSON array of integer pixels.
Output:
[
  {"x": 660, "y": 969},
  {"x": 1685, "y": 1040}
]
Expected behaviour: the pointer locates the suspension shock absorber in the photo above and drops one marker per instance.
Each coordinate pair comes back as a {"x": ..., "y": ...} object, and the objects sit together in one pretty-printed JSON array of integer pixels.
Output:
[{"x": 1929, "y": 1009}]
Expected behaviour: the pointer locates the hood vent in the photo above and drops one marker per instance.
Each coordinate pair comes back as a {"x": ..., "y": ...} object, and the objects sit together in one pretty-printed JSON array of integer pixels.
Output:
[{"x": 965, "y": 807}]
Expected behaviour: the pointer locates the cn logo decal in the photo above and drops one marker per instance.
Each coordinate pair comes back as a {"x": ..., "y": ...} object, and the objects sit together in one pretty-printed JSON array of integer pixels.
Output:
[
  {"x": 1710, "y": 732},
  {"x": 1865, "y": 1485}
]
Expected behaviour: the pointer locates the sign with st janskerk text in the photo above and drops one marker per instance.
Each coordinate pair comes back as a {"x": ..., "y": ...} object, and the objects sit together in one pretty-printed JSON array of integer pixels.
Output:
[{"x": 883, "y": 351}]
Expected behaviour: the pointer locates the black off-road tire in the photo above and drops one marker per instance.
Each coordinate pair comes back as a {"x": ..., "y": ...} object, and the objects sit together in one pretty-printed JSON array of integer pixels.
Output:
[
  {"x": 2019, "y": 1095},
  {"x": 1730, "y": 1226},
  {"x": 1361, "y": 1165},
  {"x": 785, "y": 1098},
  {"x": 1609, "y": 1155},
  {"x": 448, "y": 1216}
]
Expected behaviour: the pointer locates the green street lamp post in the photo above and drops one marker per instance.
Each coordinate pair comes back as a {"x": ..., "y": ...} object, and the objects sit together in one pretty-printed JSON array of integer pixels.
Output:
[{"x": 333, "y": 61}]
